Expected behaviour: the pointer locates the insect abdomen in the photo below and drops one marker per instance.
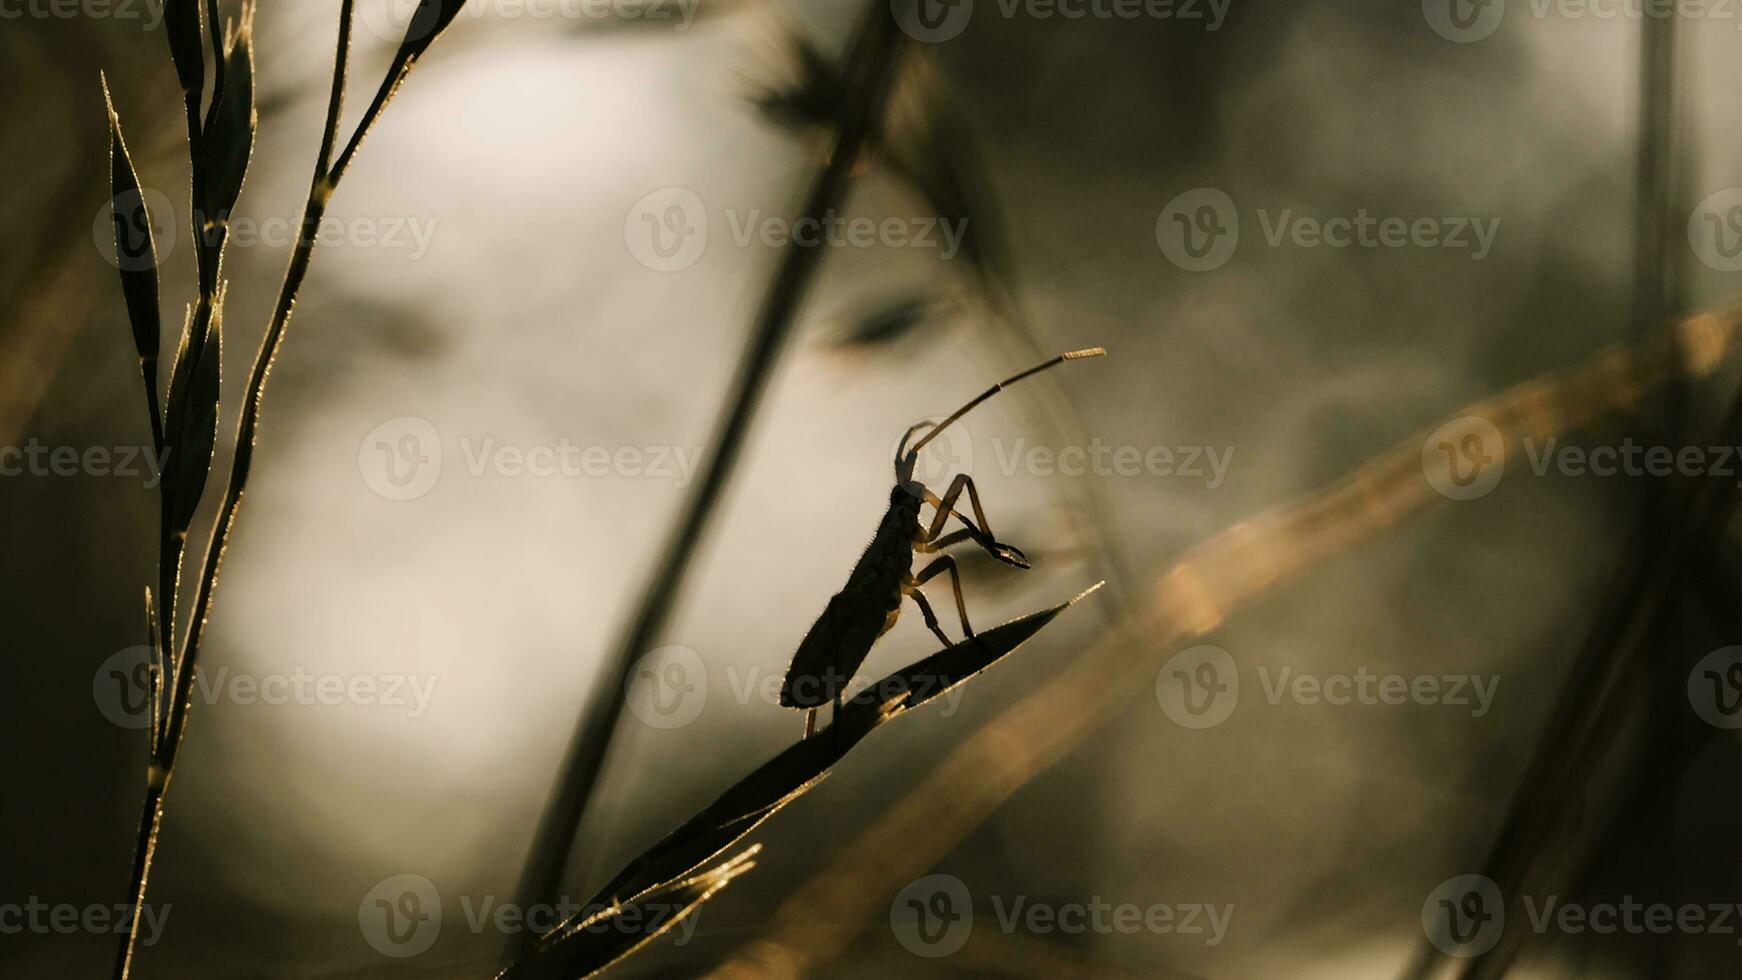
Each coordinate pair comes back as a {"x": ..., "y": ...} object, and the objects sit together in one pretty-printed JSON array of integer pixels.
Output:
[{"x": 841, "y": 638}]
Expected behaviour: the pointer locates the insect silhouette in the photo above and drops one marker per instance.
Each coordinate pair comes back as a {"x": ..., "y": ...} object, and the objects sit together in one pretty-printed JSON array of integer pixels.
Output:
[{"x": 870, "y": 603}]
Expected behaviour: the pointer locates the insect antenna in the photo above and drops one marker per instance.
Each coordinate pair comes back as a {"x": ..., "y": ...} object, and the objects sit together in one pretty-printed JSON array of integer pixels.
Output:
[{"x": 1075, "y": 355}]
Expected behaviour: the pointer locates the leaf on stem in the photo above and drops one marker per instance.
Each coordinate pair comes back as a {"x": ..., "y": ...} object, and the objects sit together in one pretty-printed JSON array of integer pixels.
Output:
[
  {"x": 229, "y": 142},
  {"x": 135, "y": 243},
  {"x": 181, "y": 24},
  {"x": 588, "y": 944},
  {"x": 191, "y": 459},
  {"x": 426, "y": 24},
  {"x": 155, "y": 670}
]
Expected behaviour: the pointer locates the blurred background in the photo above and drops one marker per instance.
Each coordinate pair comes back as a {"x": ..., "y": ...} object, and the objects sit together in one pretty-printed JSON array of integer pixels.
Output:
[{"x": 509, "y": 358}]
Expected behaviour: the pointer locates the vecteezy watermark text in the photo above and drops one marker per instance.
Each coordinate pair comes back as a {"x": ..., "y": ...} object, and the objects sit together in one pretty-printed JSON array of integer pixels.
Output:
[
  {"x": 934, "y": 916},
  {"x": 149, "y": 245},
  {"x": 936, "y": 21},
  {"x": 1101, "y": 459},
  {"x": 668, "y": 230},
  {"x": 401, "y": 917},
  {"x": 1468, "y": 21},
  {"x": 121, "y": 688},
  {"x": 1200, "y": 230},
  {"x": 1465, "y": 916},
  {"x": 670, "y": 685},
  {"x": 1465, "y": 458},
  {"x": 1199, "y": 687},
  {"x": 38, "y": 917},
  {"x": 128, "y": 462},
  {"x": 403, "y": 459},
  {"x": 148, "y": 12}
]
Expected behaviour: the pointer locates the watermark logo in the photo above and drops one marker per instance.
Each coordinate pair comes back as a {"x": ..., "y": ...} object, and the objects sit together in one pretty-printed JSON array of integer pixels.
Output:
[
  {"x": 1099, "y": 459},
  {"x": 1371, "y": 688},
  {"x": 127, "y": 225},
  {"x": 933, "y": 916},
  {"x": 1464, "y": 458},
  {"x": 121, "y": 688},
  {"x": 149, "y": 13},
  {"x": 37, "y": 459},
  {"x": 1715, "y": 230},
  {"x": 933, "y": 21},
  {"x": 1198, "y": 687},
  {"x": 401, "y": 916},
  {"x": 668, "y": 687},
  {"x": 951, "y": 452},
  {"x": 1464, "y": 916},
  {"x": 667, "y": 230},
  {"x": 390, "y": 20},
  {"x": 41, "y": 918},
  {"x": 1715, "y": 688},
  {"x": 1199, "y": 230},
  {"x": 401, "y": 459},
  {"x": 1464, "y": 21}
]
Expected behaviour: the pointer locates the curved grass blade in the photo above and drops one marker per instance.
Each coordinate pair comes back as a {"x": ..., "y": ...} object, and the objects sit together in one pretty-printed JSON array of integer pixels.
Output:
[
  {"x": 591, "y": 943},
  {"x": 801, "y": 766},
  {"x": 739, "y": 810},
  {"x": 426, "y": 24},
  {"x": 953, "y": 666},
  {"x": 229, "y": 139},
  {"x": 195, "y": 441},
  {"x": 155, "y": 670},
  {"x": 136, "y": 257},
  {"x": 181, "y": 24}
]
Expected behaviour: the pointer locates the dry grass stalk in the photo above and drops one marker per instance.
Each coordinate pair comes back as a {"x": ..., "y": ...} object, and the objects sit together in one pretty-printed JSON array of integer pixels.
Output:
[{"x": 219, "y": 147}]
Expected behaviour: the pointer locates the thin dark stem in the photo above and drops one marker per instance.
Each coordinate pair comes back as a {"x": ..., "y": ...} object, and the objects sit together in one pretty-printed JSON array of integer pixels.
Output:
[
  {"x": 1656, "y": 206},
  {"x": 150, "y": 820},
  {"x": 148, "y": 368},
  {"x": 401, "y": 67},
  {"x": 870, "y": 68},
  {"x": 168, "y": 553}
]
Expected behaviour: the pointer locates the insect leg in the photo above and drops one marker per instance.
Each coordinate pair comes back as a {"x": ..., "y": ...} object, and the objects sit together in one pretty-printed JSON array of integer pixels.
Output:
[
  {"x": 938, "y": 544},
  {"x": 981, "y": 533},
  {"x": 835, "y": 716},
  {"x": 931, "y": 618},
  {"x": 948, "y": 564},
  {"x": 810, "y": 722}
]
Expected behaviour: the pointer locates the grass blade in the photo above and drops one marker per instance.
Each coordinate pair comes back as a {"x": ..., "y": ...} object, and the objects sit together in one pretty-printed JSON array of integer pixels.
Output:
[
  {"x": 136, "y": 256},
  {"x": 195, "y": 442},
  {"x": 591, "y": 943},
  {"x": 181, "y": 24},
  {"x": 801, "y": 766},
  {"x": 229, "y": 141}
]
